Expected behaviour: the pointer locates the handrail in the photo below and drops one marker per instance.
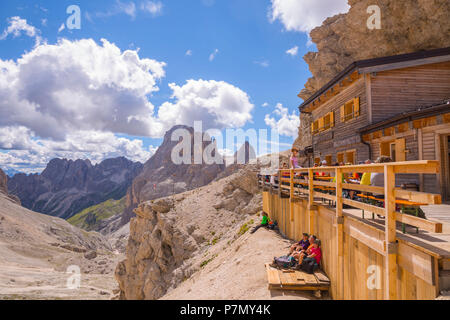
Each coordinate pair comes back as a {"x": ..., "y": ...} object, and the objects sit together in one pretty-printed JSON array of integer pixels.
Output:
[{"x": 289, "y": 180}]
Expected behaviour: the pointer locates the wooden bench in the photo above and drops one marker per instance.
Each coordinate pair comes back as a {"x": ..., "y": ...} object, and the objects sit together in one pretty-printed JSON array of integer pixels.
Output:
[{"x": 296, "y": 280}]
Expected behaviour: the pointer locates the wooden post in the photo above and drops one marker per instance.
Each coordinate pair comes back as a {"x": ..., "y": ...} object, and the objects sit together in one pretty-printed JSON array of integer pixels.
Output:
[
  {"x": 291, "y": 198},
  {"x": 311, "y": 206},
  {"x": 279, "y": 183},
  {"x": 340, "y": 235},
  {"x": 390, "y": 233}
]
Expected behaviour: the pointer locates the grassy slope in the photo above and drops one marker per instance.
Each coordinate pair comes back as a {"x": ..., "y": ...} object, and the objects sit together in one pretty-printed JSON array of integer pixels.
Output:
[{"x": 101, "y": 211}]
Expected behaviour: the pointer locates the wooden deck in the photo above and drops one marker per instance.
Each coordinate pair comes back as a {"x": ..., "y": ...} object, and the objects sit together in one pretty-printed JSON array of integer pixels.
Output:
[{"x": 296, "y": 280}]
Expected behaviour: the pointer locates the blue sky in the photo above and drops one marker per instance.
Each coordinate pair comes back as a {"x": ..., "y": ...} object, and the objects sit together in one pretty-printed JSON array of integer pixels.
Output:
[{"x": 241, "y": 45}]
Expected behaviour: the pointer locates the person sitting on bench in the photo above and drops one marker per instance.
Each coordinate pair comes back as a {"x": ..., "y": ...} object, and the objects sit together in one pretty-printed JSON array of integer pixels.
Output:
[
  {"x": 311, "y": 262},
  {"x": 301, "y": 245},
  {"x": 264, "y": 223},
  {"x": 298, "y": 254}
]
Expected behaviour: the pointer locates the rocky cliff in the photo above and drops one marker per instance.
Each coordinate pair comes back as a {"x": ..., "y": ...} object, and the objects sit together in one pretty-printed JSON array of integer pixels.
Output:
[
  {"x": 174, "y": 237},
  {"x": 406, "y": 26},
  {"x": 161, "y": 177},
  {"x": 4, "y": 188},
  {"x": 67, "y": 187},
  {"x": 36, "y": 251}
]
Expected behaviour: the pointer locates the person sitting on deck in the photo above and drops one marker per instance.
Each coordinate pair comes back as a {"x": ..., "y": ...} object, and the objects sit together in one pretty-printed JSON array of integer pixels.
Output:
[
  {"x": 293, "y": 160},
  {"x": 311, "y": 262},
  {"x": 301, "y": 245},
  {"x": 365, "y": 179},
  {"x": 302, "y": 253},
  {"x": 264, "y": 223}
]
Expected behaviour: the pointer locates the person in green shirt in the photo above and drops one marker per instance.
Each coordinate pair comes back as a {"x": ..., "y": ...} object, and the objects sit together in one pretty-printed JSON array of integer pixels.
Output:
[{"x": 264, "y": 223}]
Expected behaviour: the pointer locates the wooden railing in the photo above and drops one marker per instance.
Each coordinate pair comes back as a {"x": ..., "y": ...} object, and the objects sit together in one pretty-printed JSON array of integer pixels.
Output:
[{"x": 307, "y": 185}]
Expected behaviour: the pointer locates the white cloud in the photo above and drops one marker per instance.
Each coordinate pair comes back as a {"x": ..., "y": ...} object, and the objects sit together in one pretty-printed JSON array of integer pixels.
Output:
[
  {"x": 153, "y": 7},
  {"x": 72, "y": 99},
  {"x": 305, "y": 15},
  {"x": 18, "y": 25},
  {"x": 265, "y": 105},
  {"x": 212, "y": 56},
  {"x": 189, "y": 52},
  {"x": 218, "y": 104},
  {"x": 293, "y": 51},
  {"x": 287, "y": 124},
  {"x": 264, "y": 63},
  {"x": 61, "y": 28},
  {"x": 27, "y": 153},
  {"x": 80, "y": 85},
  {"x": 128, "y": 8},
  {"x": 44, "y": 22}
]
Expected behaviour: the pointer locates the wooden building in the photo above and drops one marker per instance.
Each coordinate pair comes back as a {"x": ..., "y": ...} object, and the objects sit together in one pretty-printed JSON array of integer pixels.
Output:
[
  {"x": 359, "y": 100},
  {"x": 423, "y": 134}
]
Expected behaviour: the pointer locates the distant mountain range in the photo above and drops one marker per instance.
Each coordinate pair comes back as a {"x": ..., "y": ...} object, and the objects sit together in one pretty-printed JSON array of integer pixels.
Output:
[
  {"x": 67, "y": 187},
  {"x": 11, "y": 172}
]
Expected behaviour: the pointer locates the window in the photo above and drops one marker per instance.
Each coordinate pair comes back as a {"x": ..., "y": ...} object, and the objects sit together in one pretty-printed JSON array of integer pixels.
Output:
[
  {"x": 323, "y": 123},
  {"x": 396, "y": 150},
  {"x": 340, "y": 158},
  {"x": 350, "y": 157},
  {"x": 315, "y": 127},
  {"x": 392, "y": 151},
  {"x": 350, "y": 110},
  {"x": 329, "y": 160}
]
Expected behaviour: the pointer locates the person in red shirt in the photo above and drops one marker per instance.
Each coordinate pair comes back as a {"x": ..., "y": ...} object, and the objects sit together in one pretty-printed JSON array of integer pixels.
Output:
[{"x": 314, "y": 256}]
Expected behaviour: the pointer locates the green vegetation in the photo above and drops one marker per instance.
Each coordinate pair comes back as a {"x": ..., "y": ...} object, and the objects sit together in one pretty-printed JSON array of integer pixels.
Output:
[
  {"x": 204, "y": 263},
  {"x": 244, "y": 228},
  {"x": 215, "y": 240},
  {"x": 90, "y": 218}
]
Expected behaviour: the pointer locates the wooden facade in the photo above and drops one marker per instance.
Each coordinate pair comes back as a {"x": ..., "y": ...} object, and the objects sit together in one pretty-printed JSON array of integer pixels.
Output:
[
  {"x": 364, "y": 258},
  {"x": 384, "y": 87},
  {"x": 421, "y": 136}
]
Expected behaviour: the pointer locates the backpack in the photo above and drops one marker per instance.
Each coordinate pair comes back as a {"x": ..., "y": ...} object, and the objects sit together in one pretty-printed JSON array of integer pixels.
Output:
[
  {"x": 309, "y": 266},
  {"x": 284, "y": 262}
]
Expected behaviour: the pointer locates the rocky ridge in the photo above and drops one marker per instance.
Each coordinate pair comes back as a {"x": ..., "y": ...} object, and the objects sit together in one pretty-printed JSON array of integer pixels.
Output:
[
  {"x": 67, "y": 187},
  {"x": 174, "y": 237}
]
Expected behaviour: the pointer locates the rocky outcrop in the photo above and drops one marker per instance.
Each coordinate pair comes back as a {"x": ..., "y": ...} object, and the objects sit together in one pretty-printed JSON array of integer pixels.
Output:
[
  {"x": 161, "y": 177},
  {"x": 172, "y": 238},
  {"x": 4, "y": 188},
  {"x": 67, "y": 187},
  {"x": 406, "y": 26}
]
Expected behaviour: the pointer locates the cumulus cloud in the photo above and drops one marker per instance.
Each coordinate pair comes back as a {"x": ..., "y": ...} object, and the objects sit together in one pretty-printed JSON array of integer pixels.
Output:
[
  {"x": 293, "y": 51},
  {"x": 17, "y": 26},
  {"x": 213, "y": 55},
  {"x": 28, "y": 153},
  {"x": 286, "y": 124},
  {"x": 80, "y": 85},
  {"x": 305, "y": 15},
  {"x": 218, "y": 104},
  {"x": 76, "y": 99},
  {"x": 265, "y": 105},
  {"x": 189, "y": 52}
]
